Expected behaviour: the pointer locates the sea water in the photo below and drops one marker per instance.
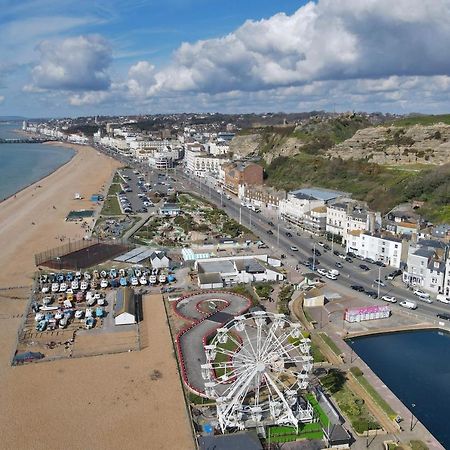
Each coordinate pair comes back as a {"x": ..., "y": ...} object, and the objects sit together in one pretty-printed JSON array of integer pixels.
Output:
[{"x": 24, "y": 164}]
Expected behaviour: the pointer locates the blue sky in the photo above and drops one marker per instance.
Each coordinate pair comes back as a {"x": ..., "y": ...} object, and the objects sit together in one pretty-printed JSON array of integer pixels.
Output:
[{"x": 70, "y": 58}]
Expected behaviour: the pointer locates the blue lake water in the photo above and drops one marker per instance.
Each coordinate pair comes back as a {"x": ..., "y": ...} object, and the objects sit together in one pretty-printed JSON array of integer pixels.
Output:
[
  {"x": 24, "y": 164},
  {"x": 416, "y": 367}
]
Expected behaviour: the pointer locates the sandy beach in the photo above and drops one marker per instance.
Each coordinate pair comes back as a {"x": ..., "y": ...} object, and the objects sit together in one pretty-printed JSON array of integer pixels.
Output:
[{"x": 104, "y": 402}]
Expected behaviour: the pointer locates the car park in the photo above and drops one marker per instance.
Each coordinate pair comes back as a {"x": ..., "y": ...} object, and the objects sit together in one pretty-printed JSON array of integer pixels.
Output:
[{"x": 389, "y": 298}]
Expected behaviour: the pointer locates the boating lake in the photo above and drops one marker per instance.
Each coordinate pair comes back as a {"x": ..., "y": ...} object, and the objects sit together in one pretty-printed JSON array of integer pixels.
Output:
[
  {"x": 24, "y": 164},
  {"x": 416, "y": 367}
]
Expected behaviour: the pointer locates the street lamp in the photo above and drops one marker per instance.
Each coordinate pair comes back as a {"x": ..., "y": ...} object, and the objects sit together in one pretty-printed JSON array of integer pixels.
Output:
[
  {"x": 379, "y": 281},
  {"x": 411, "y": 426}
]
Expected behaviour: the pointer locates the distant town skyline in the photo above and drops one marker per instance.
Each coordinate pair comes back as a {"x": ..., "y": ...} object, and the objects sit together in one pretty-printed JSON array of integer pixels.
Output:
[{"x": 84, "y": 57}]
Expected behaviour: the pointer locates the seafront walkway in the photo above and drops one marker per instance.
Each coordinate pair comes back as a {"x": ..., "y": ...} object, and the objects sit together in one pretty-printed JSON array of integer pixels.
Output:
[{"x": 393, "y": 431}]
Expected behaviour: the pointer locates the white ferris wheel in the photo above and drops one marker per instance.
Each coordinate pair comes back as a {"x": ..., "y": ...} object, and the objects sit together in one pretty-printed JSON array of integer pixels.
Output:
[{"x": 257, "y": 366}]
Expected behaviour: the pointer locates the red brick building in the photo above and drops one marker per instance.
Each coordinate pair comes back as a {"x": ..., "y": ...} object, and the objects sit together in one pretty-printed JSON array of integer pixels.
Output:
[{"x": 240, "y": 173}]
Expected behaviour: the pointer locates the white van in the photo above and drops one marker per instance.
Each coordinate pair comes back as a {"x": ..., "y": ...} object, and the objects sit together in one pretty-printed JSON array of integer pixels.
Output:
[
  {"x": 408, "y": 304},
  {"x": 442, "y": 298}
]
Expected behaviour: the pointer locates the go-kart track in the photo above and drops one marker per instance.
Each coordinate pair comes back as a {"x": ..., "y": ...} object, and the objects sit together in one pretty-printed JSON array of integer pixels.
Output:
[{"x": 190, "y": 341}]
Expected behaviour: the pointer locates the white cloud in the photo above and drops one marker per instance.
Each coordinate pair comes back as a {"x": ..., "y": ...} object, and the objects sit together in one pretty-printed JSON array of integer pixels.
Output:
[
  {"x": 74, "y": 64},
  {"x": 2, "y": 99},
  {"x": 327, "y": 40},
  {"x": 90, "y": 98}
]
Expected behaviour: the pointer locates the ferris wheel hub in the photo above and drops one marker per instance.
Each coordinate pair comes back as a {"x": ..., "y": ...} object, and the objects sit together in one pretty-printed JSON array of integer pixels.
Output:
[{"x": 260, "y": 367}]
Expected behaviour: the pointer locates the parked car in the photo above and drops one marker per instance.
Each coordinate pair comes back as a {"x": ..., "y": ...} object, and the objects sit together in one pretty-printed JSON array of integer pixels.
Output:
[
  {"x": 294, "y": 248},
  {"x": 288, "y": 234},
  {"x": 421, "y": 294},
  {"x": 269, "y": 232},
  {"x": 326, "y": 247},
  {"x": 389, "y": 298},
  {"x": 348, "y": 259},
  {"x": 357, "y": 287},
  {"x": 443, "y": 316},
  {"x": 372, "y": 294},
  {"x": 379, "y": 282},
  {"x": 364, "y": 267},
  {"x": 338, "y": 265},
  {"x": 271, "y": 224},
  {"x": 316, "y": 252},
  {"x": 336, "y": 253},
  {"x": 442, "y": 298},
  {"x": 380, "y": 263},
  {"x": 321, "y": 244},
  {"x": 322, "y": 272}
]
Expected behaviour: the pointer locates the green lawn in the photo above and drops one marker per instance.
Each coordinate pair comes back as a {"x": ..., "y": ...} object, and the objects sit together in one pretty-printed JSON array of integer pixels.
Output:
[
  {"x": 355, "y": 410},
  {"x": 336, "y": 350},
  {"x": 263, "y": 289},
  {"x": 114, "y": 189},
  {"x": 376, "y": 397},
  {"x": 111, "y": 207},
  {"x": 220, "y": 357}
]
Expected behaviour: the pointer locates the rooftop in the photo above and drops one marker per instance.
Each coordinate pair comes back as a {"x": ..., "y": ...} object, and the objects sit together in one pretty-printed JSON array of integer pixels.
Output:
[
  {"x": 317, "y": 194},
  {"x": 221, "y": 266}
]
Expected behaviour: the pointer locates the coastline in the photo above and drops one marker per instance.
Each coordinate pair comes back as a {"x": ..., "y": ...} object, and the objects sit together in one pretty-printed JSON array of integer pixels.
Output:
[
  {"x": 55, "y": 144},
  {"x": 38, "y": 398}
]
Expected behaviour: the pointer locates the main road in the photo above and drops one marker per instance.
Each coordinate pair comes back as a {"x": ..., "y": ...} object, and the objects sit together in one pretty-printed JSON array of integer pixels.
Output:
[{"x": 275, "y": 236}]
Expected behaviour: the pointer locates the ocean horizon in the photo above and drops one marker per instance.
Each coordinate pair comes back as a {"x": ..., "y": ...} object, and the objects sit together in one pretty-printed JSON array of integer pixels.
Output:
[{"x": 25, "y": 164}]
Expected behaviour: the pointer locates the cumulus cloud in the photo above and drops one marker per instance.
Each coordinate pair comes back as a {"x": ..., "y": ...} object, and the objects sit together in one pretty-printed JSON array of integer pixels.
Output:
[
  {"x": 74, "y": 64},
  {"x": 327, "y": 40}
]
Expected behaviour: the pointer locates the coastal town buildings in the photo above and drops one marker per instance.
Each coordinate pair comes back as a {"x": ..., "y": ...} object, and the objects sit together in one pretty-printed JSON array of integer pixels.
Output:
[
  {"x": 427, "y": 266},
  {"x": 382, "y": 247},
  {"x": 299, "y": 203},
  {"x": 239, "y": 173}
]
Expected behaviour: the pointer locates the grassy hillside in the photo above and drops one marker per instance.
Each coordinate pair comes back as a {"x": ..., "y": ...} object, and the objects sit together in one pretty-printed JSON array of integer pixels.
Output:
[
  {"x": 422, "y": 120},
  {"x": 382, "y": 187}
]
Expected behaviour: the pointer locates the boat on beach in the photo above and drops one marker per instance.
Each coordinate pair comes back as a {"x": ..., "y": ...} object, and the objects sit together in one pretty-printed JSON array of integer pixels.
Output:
[{"x": 89, "y": 322}]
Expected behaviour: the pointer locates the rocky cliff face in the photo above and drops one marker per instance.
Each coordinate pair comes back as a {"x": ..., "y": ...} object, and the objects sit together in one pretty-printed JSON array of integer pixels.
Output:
[
  {"x": 395, "y": 145},
  {"x": 245, "y": 145},
  {"x": 268, "y": 147}
]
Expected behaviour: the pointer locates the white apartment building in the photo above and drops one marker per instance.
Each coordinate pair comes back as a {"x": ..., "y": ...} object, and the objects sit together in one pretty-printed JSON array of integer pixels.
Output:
[
  {"x": 343, "y": 217},
  {"x": 115, "y": 143},
  {"x": 384, "y": 248},
  {"x": 446, "y": 285},
  {"x": 302, "y": 201},
  {"x": 217, "y": 148},
  {"x": 201, "y": 163},
  {"x": 427, "y": 266}
]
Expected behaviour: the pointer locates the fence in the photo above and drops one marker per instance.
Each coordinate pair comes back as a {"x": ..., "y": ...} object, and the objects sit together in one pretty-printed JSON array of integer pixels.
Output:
[{"x": 58, "y": 257}]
